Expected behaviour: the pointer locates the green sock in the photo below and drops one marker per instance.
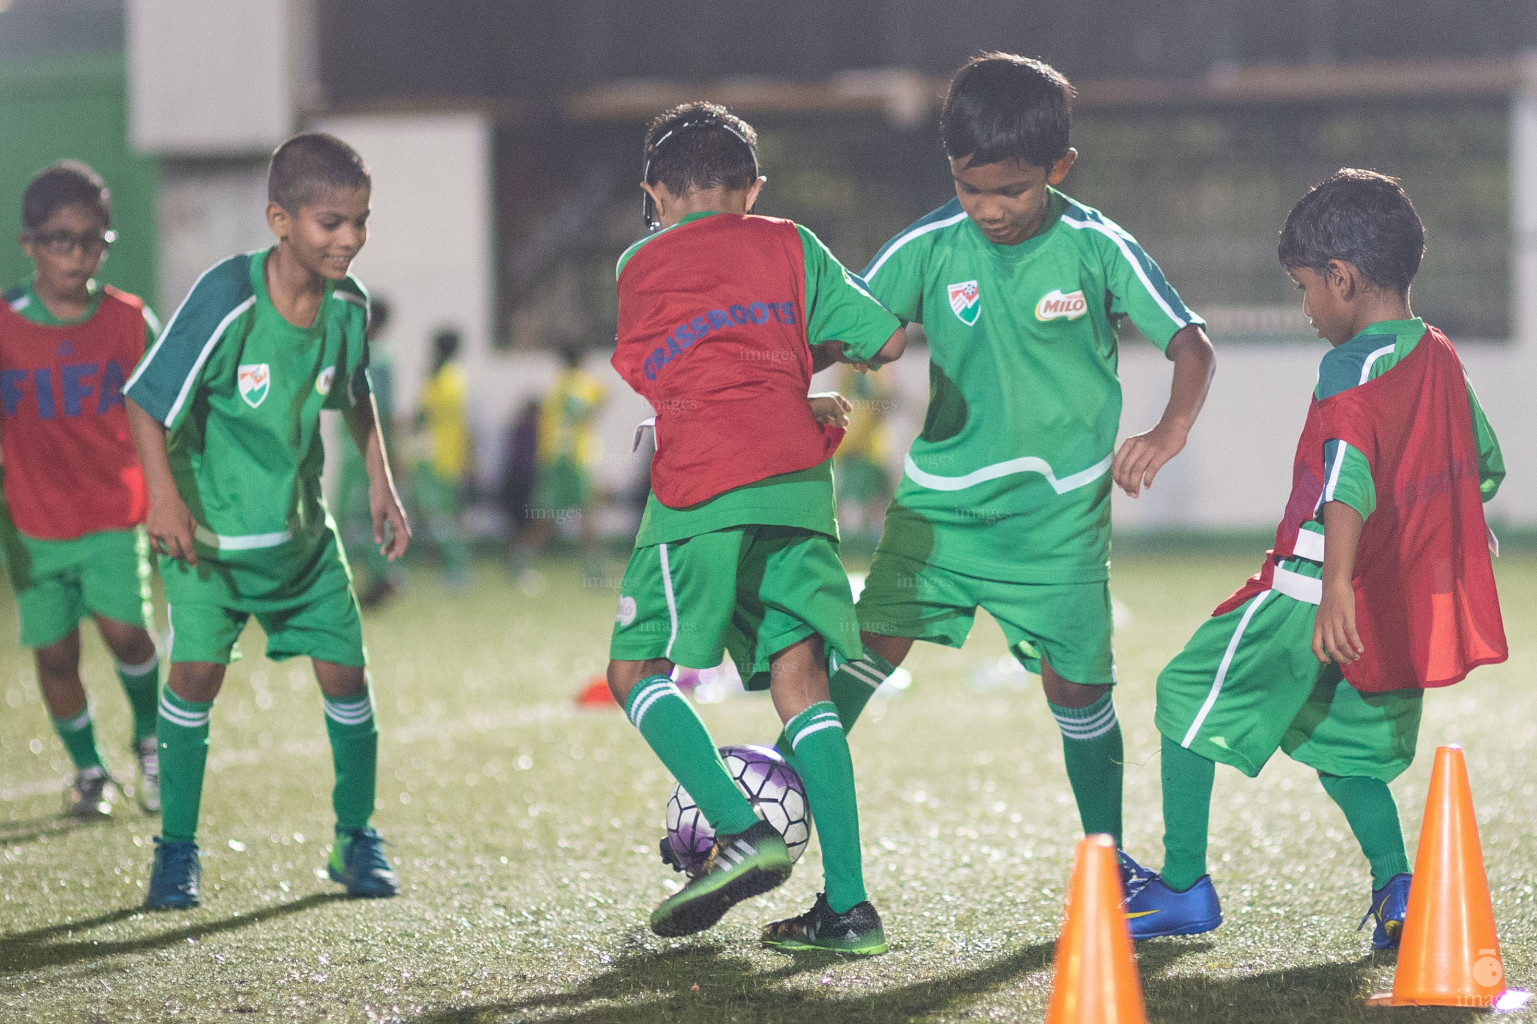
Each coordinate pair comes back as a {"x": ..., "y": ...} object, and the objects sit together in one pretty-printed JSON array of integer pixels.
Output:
[
  {"x": 1091, "y": 746},
  {"x": 1373, "y": 817},
  {"x": 183, "y": 734},
  {"x": 142, "y": 684},
  {"x": 355, "y": 756},
  {"x": 79, "y": 736},
  {"x": 1187, "y": 782},
  {"x": 851, "y": 686},
  {"x": 822, "y": 753},
  {"x": 668, "y": 722}
]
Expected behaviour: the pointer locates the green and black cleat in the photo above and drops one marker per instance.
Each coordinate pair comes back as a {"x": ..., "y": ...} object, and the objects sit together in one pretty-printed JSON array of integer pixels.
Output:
[
  {"x": 739, "y": 867},
  {"x": 856, "y": 932}
]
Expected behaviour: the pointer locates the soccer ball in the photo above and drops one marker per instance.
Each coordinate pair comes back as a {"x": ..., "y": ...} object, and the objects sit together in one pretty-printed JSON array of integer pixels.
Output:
[{"x": 776, "y": 792}]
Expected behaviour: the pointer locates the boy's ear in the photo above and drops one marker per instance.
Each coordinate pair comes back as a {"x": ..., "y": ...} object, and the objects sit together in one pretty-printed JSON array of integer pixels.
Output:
[
  {"x": 660, "y": 197},
  {"x": 1058, "y": 170},
  {"x": 1344, "y": 279},
  {"x": 278, "y": 220},
  {"x": 753, "y": 190}
]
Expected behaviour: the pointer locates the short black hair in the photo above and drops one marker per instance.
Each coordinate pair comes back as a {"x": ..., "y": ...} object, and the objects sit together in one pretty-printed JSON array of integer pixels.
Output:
[
  {"x": 571, "y": 355},
  {"x": 1002, "y": 107},
  {"x": 66, "y": 183},
  {"x": 1362, "y": 218},
  {"x": 310, "y": 164},
  {"x": 698, "y": 146}
]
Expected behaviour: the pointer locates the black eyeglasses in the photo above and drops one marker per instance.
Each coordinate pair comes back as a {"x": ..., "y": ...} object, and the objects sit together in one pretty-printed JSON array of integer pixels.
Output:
[{"x": 62, "y": 243}]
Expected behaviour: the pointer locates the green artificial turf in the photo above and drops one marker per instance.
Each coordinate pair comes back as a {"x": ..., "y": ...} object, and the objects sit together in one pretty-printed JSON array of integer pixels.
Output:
[{"x": 524, "y": 831}]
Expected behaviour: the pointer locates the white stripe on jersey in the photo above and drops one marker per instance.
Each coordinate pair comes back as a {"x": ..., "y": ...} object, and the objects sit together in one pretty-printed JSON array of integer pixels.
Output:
[
  {"x": 1024, "y": 464},
  {"x": 1371, "y": 361},
  {"x": 914, "y": 233},
  {"x": 1119, "y": 238}
]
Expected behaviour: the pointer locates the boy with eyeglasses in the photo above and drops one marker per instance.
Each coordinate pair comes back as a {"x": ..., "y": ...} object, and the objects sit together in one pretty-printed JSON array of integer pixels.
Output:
[{"x": 72, "y": 529}]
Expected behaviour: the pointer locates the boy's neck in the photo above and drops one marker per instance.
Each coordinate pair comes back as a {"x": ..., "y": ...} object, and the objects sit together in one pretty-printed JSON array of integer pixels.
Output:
[
  {"x": 706, "y": 200},
  {"x": 70, "y": 305},
  {"x": 295, "y": 290},
  {"x": 1377, "y": 307}
]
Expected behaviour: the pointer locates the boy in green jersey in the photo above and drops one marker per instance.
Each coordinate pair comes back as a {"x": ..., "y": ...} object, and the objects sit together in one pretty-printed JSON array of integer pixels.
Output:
[
  {"x": 70, "y": 520},
  {"x": 1005, "y": 500},
  {"x": 723, "y": 318},
  {"x": 1377, "y": 587},
  {"x": 225, "y": 412}
]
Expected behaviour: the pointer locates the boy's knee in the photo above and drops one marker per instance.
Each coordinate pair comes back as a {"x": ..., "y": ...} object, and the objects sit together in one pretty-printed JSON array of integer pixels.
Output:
[
  {"x": 196, "y": 680},
  {"x": 337, "y": 680},
  {"x": 623, "y": 675}
]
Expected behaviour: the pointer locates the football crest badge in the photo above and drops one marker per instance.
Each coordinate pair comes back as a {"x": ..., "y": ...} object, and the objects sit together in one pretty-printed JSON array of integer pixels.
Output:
[
  {"x": 254, "y": 381},
  {"x": 965, "y": 301},
  {"x": 325, "y": 379}
]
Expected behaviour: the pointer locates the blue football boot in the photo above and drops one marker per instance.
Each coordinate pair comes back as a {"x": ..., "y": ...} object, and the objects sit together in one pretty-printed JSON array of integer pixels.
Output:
[
  {"x": 357, "y": 861},
  {"x": 173, "y": 884},
  {"x": 1133, "y": 876},
  {"x": 1156, "y": 910},
  {"x": 1389, "y": 905}
]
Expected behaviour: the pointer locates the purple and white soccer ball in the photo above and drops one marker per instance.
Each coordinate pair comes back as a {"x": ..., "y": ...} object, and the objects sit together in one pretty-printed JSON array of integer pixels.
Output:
[{"x": 776, "y": 793}]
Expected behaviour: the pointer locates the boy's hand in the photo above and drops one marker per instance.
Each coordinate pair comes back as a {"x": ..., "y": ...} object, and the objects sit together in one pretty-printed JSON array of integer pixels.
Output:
[
  {"x": 1143, "y": 455},
  {"x": 831, "y": 409},
  {"x": 171, "y": 527},
  {"x": 389, "y": 521},
  {"x": 1334, "y": 629}
]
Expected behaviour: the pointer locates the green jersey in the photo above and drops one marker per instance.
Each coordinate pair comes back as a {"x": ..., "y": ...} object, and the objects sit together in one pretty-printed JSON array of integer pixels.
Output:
[
  {"x": 240, "y": 391},
  {"x": 1010, "y": 478}
]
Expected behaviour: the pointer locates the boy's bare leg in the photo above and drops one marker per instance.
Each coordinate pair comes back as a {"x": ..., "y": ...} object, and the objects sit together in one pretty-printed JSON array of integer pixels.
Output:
[{"x": 58, "y": 677}]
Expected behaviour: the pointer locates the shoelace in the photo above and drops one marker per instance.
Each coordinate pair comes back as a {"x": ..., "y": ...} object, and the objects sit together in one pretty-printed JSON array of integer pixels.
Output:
[
  {"x": 176, "y": 857},
  {"x": 367, "y": 846}
]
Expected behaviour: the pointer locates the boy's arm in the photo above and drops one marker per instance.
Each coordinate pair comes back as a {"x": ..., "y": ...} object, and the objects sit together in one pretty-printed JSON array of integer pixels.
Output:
[
  {"x": 840, "y": 306},
  {"x": 1141, "y": 456},
  {"x": 383, "y": 502},
  {"x": 1334, "y": 628},
  {"x": 169, "y": 522}
]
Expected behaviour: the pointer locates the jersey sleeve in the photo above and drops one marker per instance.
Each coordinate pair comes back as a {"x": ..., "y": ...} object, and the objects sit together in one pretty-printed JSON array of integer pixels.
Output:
[
  {"x": 166, "y": 379},
  {"x": 1138, "y": 288},
  {"x": 1491, "y": 462},
  {"x": 151, "y": 326},
  {"x": 839, "y": 306},
  {"x": 355, "y": 363},
  {"x": 895, "y": 275},
  {"x": 1348, "y": 478}
]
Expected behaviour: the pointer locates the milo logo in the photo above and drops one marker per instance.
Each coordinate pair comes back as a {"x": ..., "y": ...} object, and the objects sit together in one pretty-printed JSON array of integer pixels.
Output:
[{"x": 1054, "y": 305}]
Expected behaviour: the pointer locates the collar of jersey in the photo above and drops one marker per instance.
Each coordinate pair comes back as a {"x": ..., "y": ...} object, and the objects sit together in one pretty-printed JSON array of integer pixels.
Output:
[
  {"x": 40, "y": 314},
  {"x": 264, "y": 300},
  {"x": 1056, "y": 202},
  {"x": 1399, "y": 330}
]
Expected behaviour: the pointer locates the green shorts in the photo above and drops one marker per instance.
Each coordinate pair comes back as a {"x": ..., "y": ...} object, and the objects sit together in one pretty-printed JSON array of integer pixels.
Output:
[
  {"x": 1247, "y": 684},
  {"x": 751, "y": 591},
  {"x": 60, "y": 582},
  {"x": 316, "y": 615},
  {"x": 1069, "y": 624},
  {"x": 560, "y": 485}
]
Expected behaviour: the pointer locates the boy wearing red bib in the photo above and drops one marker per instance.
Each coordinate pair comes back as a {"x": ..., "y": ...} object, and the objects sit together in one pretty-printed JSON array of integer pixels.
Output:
[
  {"x": 723, "y": 317},
  {"x": 1379, "y": 585},
  {"x": 73, "y": 541}
]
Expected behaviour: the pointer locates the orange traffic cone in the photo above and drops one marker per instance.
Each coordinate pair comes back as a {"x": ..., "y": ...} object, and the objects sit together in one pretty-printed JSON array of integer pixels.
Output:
[
  {"x": 1096, "y": 981},
  {"x": 595, "y": 694},
  {"x": 1449, "y": 954}
]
